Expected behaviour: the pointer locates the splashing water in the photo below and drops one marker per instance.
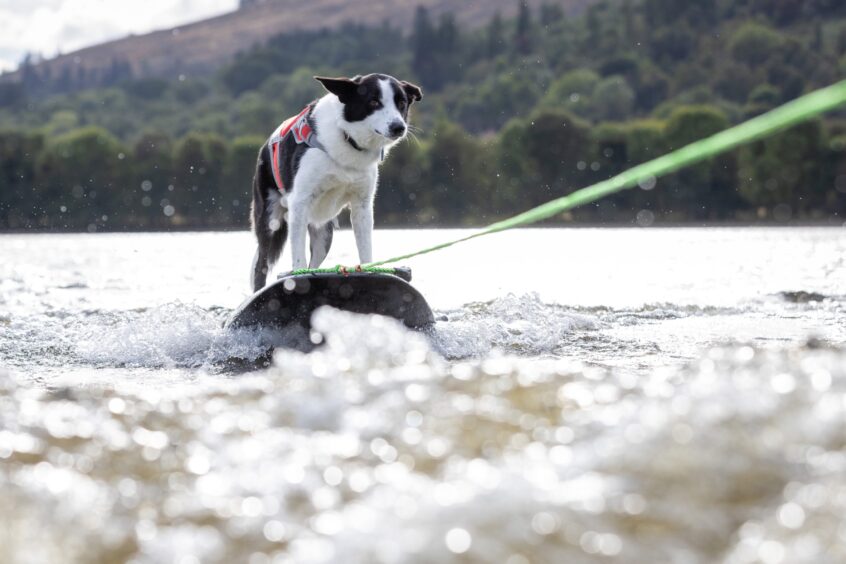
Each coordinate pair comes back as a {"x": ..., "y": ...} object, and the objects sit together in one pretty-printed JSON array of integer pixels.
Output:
[
  {"x": 521, "y": 325},
  {"x": 674, "y": 410},
  {"x": 373, "y": 449}
]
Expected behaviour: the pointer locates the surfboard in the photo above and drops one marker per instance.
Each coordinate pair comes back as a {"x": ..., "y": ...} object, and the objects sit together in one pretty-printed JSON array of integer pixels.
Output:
[{"x": 292, "y": 299}]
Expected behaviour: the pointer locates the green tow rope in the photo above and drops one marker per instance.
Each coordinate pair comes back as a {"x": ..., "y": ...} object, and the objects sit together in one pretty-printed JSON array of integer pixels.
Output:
[
  {"x": 792, "y": 113},
  {"x": 344, "y": 270}
]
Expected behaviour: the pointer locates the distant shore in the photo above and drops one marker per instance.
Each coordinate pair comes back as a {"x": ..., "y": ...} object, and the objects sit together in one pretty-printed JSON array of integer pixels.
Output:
[{"x": 832, "y": 223}]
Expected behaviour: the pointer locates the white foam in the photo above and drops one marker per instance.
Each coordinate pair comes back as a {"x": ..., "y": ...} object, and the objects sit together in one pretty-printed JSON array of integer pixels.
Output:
[
  {"x": 373, "y": 449},
  {"x": 173, "y": 335},
  {"x": 521, "y": 325}
]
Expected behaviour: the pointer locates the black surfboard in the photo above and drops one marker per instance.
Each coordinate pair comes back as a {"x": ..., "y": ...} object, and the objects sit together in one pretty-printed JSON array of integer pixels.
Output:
[{"x": 290, "y": 301}]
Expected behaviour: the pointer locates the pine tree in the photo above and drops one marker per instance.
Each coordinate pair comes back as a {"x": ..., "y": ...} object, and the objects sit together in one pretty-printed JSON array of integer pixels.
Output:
[
  {"x": 594, "y": 27},
  {"x": 423, "y": 46},
  {"x": 495, "y": 36},
  {"x": 523, "y": 35},
  {"x": 550, "y": 14},
  {"x": 817, "y": 41},
  {"x": 628, "y": 22}
]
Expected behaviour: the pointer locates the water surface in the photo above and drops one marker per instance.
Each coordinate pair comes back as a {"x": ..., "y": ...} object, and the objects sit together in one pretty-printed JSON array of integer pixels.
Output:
[{"x": 592, "y": 395}]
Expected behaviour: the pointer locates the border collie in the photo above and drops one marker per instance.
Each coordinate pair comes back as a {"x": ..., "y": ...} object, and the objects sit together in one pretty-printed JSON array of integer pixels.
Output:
[{"x": 325, "y": 159}]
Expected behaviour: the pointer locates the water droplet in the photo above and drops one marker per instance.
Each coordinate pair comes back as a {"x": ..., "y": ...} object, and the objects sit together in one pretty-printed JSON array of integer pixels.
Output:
[
  {"x": 648, "y": 183},
  {"x": 791, "y": 515},
  {"x": 771, "y": 552},
  {"x": 783, "y": 383},
  {"x": 458, "y": 541}
]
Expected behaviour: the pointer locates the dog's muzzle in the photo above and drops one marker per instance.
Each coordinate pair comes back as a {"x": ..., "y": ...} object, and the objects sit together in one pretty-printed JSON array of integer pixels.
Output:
[{"x": 396, "y": 130}]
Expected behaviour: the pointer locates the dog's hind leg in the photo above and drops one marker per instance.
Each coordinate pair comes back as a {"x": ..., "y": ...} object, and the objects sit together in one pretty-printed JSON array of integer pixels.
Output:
[
  {"x": 258, "y": 272},
  {"x": 271, "y": 231},
  {"x": 320, "y": 240},
  {"x": 267, "y": 254}
]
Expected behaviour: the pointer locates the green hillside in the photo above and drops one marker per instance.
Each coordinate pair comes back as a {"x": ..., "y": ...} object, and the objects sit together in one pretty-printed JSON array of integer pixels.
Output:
[{"x": 515, "y": 114}]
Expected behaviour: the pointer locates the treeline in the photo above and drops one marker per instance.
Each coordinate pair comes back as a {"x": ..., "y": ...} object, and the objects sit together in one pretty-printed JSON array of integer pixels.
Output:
[
  {"x": 515, "y": 114},
  {"x": 88, "y": 179}
]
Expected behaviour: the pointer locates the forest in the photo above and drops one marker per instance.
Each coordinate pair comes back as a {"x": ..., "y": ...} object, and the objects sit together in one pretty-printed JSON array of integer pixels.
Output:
[{"x": 516, "y": 113}]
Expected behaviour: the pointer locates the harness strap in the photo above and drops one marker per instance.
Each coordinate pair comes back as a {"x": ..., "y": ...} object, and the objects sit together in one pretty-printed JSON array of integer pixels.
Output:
[{"x": 300, "y": 127}]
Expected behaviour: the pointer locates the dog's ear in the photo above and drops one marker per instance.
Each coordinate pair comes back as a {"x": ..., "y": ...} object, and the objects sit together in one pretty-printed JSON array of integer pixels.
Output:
[
  {"x": 344, "y": 88},
  {"x": 414, "y": 93}
]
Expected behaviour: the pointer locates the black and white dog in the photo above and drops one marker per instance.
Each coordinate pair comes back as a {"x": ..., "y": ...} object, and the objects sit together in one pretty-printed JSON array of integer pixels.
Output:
[{"x": 323, "y": 160}]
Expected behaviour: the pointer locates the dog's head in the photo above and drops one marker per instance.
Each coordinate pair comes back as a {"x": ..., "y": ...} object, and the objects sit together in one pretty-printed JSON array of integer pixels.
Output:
[{"x": 375, "y": 107}]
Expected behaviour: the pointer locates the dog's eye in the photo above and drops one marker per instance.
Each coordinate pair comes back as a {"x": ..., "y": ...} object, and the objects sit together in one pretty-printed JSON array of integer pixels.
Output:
[{"x": 375, "y": 104}]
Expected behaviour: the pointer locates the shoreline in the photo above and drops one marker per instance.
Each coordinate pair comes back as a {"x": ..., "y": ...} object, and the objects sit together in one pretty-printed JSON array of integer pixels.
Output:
[{"x": 587, "y": 225}]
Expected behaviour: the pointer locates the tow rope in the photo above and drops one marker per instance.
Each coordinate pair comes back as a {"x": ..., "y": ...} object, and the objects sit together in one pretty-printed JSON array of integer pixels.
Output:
[{"x": 783, "y": 117}]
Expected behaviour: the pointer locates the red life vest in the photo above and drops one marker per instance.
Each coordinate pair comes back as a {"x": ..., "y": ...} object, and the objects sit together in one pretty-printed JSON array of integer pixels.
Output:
[{"x": 298, "y": 126}]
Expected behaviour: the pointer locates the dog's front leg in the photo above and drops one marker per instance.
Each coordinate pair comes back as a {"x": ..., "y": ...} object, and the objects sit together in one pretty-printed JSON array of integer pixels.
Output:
[
  {"x": 297, "y": 228},
  {"x": 361, "y": 216}
]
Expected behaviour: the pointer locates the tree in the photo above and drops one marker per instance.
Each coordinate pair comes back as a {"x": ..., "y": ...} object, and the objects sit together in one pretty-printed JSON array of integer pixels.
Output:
[
  {"x": 763, "y": 98},
  {"x": 423, "y": 47},
  {"x": 146, "y": 88},
  {"x": 455, "y": 171},
  {"x": 404, "y": 184},
  {"x": 18, "y": 153},
  {"x": 784, "y": 169},
  {"x": 31, "y": 78},
  {"x": 781, "y": 12},
  {"x": 12, "y": 94},
  {"x": 119, "y": 71},
  {"x": 669, "y": 45},
  {"x": 698, "y": 189},
  {"x": 448, "y": 47},
  {"x": 523, "y": 32},
  {"x": 651, "y": 88},
  {"x": 753, "y": 43},
  {"x": 152, "y": 177},
  {"x": 198, "y": 170},
  {"x": 495, "y": 37},
  {"x": 573, "y": 91},
  {"x": 238, "y": 172},
  {"x": 734, "y": 82},
  {"x": 540, "y": 157},
  {"x": 86, "y": 171},
  {"x": 550, "y": 14},
  {"x": 247, "y": 74},
  {"x": 662, "y": 13},
  {"x": 628, "y": 22},
  {"x": 190, "y": 90},
  {"x": 255, "y": 116},
  {"x": 593, "y": 24},
  {"x": 613, "y": 99}
]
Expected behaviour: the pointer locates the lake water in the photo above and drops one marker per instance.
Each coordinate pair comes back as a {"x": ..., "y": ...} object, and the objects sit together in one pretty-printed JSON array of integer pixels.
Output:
[{"x": 593, "y": 395}]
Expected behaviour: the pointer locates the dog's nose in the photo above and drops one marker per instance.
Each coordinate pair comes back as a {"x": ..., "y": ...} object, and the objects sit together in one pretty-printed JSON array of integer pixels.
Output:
[{"x": 397, "y": 128}]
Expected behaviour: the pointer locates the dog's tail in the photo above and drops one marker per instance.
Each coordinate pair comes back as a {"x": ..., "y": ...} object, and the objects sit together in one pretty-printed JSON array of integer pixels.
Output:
[
  {"x": 278, "y": 228},
  {"x": 268, "y": 222}
]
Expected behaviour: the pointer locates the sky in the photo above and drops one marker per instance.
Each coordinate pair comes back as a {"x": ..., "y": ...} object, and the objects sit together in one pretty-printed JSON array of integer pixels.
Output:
[{"x": 50, "y": 27}]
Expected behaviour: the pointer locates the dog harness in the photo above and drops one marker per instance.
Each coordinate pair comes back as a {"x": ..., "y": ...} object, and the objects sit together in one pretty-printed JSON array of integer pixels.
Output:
[{"x": 300, "y": 127}]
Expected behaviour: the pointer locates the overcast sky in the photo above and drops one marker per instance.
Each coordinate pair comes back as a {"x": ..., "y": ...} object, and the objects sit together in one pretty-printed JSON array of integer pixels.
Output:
[{"x": 52, "y": 26}]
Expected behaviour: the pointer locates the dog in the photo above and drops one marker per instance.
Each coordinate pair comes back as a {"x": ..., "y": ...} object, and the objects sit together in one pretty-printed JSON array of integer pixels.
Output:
[{"x": 323, "y": 160}]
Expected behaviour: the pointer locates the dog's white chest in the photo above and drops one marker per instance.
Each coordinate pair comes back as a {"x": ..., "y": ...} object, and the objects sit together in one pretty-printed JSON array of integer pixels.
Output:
[{"x": 330, "y": 188}]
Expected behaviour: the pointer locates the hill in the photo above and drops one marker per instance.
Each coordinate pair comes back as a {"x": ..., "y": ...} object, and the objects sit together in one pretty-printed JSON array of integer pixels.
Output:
[{"x": 201, "y": 47}]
